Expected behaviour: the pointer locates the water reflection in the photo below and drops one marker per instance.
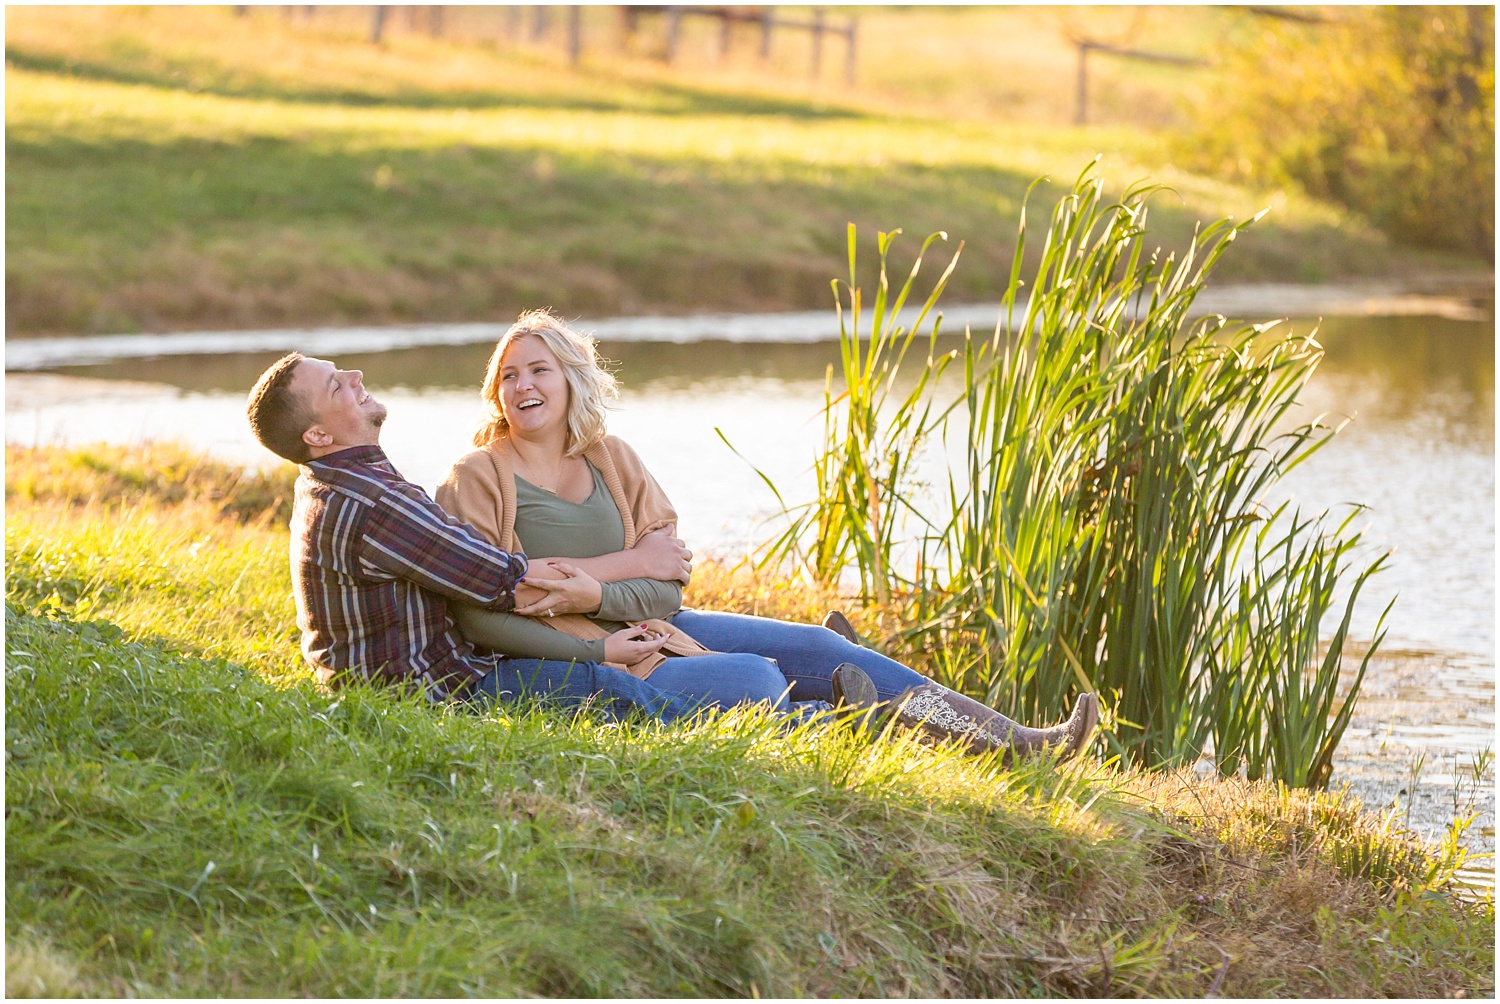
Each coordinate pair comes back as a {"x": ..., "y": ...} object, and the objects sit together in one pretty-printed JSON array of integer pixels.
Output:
[
  {"x": 1397, "y": 369},
  {"x": 642, "y": 366}
]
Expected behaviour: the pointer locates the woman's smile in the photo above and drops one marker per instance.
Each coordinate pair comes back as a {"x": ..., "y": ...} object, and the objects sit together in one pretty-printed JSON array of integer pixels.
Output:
[{"x": 533, "y": 389}]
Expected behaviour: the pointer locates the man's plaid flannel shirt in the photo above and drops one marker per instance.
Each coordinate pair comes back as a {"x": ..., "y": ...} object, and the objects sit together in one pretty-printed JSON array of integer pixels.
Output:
[{"x": 374, "y": 561}]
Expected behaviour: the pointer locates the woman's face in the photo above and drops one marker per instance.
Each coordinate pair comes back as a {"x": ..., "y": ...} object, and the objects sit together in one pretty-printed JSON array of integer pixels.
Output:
[{"x": 533, "y": 389}]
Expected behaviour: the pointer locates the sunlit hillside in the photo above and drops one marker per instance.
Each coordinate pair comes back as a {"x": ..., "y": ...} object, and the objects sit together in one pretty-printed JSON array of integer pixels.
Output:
[
  {"x": 1014, "y": 64},
  {"x": 172, "y": 168}
]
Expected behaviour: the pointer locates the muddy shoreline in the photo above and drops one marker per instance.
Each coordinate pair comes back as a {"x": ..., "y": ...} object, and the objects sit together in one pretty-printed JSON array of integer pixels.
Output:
[{"x": 1418, "y": 745}]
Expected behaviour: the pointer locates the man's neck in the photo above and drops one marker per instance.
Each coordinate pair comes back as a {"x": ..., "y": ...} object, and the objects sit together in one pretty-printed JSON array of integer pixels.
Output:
[{"x": 328, "y": 451}]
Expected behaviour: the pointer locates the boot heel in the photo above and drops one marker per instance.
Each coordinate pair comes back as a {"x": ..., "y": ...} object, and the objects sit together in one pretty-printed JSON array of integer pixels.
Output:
[
  {"x": 852, "y": 688},
  {"x": 836, "y": 622}
]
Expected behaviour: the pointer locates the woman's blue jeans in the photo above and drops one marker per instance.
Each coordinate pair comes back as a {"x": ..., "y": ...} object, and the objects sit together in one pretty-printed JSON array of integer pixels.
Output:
[
  {"x": 756, "y": 660},
  {"x": 805, "y": 656},
  {"x": 613, "y": 692},
  {"x": 729, "y": 678}
]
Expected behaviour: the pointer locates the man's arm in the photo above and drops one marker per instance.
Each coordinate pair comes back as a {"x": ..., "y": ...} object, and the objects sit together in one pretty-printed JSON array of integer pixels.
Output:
[{"x": 409, "y": 536}]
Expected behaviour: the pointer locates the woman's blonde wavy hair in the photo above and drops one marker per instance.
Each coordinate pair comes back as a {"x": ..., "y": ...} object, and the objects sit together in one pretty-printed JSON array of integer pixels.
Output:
[{"x": 589, "y": 384}]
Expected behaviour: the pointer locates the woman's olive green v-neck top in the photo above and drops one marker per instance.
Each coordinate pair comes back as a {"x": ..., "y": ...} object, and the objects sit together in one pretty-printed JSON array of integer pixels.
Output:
[{"x": 551, "y": 526}]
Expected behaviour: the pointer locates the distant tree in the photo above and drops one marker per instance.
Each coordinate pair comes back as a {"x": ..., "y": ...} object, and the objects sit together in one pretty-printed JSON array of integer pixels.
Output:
[{"x": 1387, "y": 110}]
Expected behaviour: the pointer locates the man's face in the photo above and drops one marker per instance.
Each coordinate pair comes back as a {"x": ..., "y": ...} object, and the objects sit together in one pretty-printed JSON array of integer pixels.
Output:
[{"x": 344, "y": 413}]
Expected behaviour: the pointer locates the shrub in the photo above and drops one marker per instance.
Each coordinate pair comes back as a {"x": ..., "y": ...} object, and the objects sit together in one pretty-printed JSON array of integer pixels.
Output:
[{"x": 1387, "y": 110}]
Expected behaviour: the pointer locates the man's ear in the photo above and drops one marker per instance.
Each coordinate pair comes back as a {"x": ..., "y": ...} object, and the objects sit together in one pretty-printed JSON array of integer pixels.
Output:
[{"x": 317, "y": 438}]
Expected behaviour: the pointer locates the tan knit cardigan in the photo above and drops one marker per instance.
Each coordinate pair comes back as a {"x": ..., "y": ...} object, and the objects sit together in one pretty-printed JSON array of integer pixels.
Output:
[{"x": 481, "y": 490}]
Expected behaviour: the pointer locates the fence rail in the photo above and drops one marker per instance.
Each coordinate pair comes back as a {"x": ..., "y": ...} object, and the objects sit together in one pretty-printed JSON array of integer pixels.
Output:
[
  {"x": 818, "y": 27},
  {"x": 1086, "y": 46},
  {"x": 535, "y": 24}
]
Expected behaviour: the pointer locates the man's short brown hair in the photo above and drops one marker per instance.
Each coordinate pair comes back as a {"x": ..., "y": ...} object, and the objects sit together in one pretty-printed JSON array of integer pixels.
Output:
[{"x": 278, "y": 417}]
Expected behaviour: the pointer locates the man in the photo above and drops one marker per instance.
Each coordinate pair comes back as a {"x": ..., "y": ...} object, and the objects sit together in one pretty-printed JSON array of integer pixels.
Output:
[{"x": 375, "y": 560}]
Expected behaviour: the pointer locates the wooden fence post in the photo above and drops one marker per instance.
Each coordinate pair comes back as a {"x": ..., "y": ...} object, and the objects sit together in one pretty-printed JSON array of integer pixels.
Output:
[
  {"x": 1081, "y": 113},
  {"x": 725, "y": 24},
  {"x": 377, "y": 22},
  {"x": 538, "y": 23},
  {"x": 674, "y": 24},
  {"x": 575, "y": 34},
  {"x": 817, "y": 40},
  {"x": 849, "y": 52},
  {"x": 435, "y": 20},
  {"x": 766, "y": 24}
]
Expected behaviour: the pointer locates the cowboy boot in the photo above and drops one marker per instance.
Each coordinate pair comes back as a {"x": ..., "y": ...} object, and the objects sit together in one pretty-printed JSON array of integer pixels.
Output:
[
  {"x": 852, "y": 688},
  {"x": 836, "y": 622},
  {"x": 944, "y": 714}
]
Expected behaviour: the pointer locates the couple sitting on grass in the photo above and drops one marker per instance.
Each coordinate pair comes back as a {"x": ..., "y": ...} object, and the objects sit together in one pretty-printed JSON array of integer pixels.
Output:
[{"x": 394, "y": 587}]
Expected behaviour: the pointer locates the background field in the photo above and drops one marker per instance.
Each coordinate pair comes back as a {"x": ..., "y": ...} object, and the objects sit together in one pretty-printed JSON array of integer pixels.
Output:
[{"x": 184, "y": 168}]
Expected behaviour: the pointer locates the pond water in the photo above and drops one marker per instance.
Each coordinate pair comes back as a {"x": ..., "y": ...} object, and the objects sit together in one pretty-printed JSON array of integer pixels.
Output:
[{"x": 1415, "y": 376}]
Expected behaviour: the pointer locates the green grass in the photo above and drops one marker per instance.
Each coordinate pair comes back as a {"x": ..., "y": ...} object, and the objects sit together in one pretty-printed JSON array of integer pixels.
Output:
[
  {"x": 189, "y": 815},
  {"x": 176, "y": 169}
]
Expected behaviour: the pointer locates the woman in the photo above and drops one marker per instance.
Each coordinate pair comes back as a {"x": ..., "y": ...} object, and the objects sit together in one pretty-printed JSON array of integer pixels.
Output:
[{"x": 547, "y": 480}]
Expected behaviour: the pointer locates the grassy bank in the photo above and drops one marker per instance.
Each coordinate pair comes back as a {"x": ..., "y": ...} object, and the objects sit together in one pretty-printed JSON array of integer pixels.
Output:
[
  {"x": 188, "y": 815},
  {"x": 179, "y": 168}
]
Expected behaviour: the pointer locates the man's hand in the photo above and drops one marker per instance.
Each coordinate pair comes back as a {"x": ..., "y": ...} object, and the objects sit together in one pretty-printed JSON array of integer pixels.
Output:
[
  {"x": 576, "y": 592},
  {"x": 664, "y": 556},
  {"x": 632, "y": 644}
]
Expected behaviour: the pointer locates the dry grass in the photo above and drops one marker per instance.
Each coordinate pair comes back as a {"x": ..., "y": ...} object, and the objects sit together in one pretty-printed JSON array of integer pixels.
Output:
[
  {"x": 155, "y": 473},
  {"x": 1014, "y": 64},
  {"x": 33, "y": 968},
  {"x": 1271, "y": 875},
  {"x": 740, "y": 589}
]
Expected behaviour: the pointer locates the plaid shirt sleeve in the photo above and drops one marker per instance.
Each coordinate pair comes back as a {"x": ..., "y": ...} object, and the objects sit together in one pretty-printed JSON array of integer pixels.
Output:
[{"x": 407, "y": 535}]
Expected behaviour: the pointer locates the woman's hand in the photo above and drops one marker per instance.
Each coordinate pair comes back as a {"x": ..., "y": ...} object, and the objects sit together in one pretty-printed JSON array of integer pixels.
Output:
[
  {"x": 632, "y": 644},
  {"x": 576, "y": 592},
  {"x": 664, "y": 556}
]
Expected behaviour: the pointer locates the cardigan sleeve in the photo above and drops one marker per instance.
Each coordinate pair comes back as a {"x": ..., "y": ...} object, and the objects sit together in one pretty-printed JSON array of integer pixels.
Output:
[
  {"x": 649, "y": 505},
  {"x": 471, "y": 492}
]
